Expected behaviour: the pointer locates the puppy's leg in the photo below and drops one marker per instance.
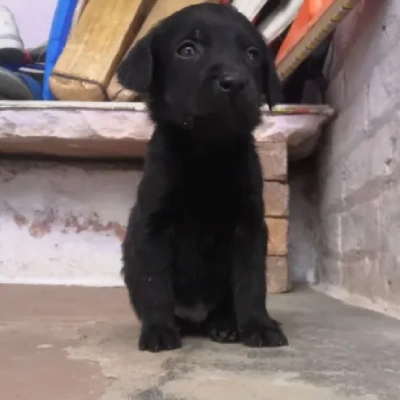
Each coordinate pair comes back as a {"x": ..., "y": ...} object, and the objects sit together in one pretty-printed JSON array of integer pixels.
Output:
[
  {"x": 256, "y": 327},
  {"x": 189, "y": 328},
  {"x": 221, "y": 324},
  {"x": 147, "y": 273}
]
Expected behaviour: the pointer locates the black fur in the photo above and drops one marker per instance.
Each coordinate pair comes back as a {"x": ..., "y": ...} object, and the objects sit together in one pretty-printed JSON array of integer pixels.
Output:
[{"x": 195, "y": 248}]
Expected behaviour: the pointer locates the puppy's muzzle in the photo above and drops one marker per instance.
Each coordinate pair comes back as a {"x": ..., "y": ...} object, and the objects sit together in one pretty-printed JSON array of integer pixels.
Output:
[
  {"x": 230, "y": 82},
  {"x": 227, "y": 80}
]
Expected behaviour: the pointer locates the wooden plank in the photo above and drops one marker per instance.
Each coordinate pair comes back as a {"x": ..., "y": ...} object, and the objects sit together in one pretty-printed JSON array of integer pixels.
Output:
[
  {"x": 95, "y": 46},
  {"x": 80, "y": 6},
  {"x": 278, "y": 280},
  {"x": 306, "y": 40},
  {"x": 276, "y": 199},
  {"x": 160, "y": 10}
]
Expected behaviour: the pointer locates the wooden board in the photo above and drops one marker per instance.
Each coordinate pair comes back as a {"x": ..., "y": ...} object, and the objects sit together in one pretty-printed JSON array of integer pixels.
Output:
[
  {"x": 300, "y": 43},
  {"x": 160, "y": 10},
  {"x": 96, "y": 45},
  {"x": 79, "y": 10}
]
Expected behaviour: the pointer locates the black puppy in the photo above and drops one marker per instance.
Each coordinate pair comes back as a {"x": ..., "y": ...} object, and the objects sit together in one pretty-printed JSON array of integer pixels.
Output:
[{"x": 195, "y": 248}]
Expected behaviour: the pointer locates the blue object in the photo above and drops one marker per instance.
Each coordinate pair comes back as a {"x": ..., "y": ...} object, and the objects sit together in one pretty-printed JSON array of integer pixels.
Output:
[
  {"x": 59, "y": 31},
  {"x": 16, "y": 85},
  {"x": 33, "y": 85}
]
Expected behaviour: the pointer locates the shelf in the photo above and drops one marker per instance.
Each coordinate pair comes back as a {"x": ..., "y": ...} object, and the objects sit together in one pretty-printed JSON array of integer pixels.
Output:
[{"x": 121, "y": 130}]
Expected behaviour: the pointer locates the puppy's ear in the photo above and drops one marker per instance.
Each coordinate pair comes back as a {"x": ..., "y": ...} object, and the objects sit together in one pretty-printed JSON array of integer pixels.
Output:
[
  {"x": 272, "y": 86},
  {"x": 136, "y": 69}
]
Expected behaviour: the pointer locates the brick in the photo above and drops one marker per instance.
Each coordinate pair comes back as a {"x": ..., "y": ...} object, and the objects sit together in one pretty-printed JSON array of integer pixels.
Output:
[
  {"x": 273, "y": 158},
  {"x": 278, "y": 236},
  {"x": 276, "y": 199},
  {"x": 277, "y": 275}
]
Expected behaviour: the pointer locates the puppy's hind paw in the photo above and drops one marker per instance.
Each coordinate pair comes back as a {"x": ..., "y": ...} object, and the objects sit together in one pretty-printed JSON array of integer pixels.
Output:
[
  {"x": 156, "y": 338},
  {"x": 263, "y": 334}
]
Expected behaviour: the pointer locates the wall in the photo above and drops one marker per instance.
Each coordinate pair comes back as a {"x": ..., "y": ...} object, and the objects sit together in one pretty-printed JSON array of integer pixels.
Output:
[
  {"x": 359, "y": 159},
  {"x": 63, "y": 223},
  {"x": 303, "y": 223},
  {"x": 33, "y": 19},
  {"x": 344, "y": 222}
]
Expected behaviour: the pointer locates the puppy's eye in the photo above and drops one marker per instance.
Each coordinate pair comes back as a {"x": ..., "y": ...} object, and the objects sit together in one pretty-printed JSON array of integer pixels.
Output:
[
  {"x": 253, "y": 55},
  {"x": 187, "y": 50}
]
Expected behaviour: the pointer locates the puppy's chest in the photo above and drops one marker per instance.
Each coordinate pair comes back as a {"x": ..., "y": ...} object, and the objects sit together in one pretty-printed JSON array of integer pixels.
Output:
[
  {"x": 206, "y": 210},
  {"x": 209, "y": 192}
]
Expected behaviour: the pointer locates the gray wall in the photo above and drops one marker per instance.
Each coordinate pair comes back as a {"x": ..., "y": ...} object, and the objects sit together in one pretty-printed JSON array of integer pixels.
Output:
[{"x": 358, "y": 202}]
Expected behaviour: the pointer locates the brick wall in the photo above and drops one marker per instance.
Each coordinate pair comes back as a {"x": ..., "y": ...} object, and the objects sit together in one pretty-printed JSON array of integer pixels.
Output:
[{"x": 359, "y": 158}]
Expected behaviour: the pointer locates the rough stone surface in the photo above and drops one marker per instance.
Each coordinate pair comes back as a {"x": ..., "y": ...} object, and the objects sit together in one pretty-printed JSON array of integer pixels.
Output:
[
  {"x": 359, "y": 160},
  {"x": 54, "y": 208},
  {"x": 276, "y": 199},
  {"x": 98, "y": 129},
  {"x": 71, "y": 343},
  {"x": 64, "y": 223},
  {"x": 71, "y": 219}
]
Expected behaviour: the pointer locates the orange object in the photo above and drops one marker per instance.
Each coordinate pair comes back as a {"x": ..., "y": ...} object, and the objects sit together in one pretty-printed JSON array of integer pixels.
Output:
[
  {"x": 308, "y": 15},
  {"x": 315, "y": 20}
]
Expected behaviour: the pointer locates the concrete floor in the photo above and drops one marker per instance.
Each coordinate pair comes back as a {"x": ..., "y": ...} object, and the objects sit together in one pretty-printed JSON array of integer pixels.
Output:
[{"x": 80, "y": 344}]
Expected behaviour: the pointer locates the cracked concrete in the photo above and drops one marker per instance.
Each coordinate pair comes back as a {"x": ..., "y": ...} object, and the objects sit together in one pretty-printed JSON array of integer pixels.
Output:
[{"x": 81, "y": 343}]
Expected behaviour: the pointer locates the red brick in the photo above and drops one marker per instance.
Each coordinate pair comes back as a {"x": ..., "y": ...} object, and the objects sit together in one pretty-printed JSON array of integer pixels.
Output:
[
  {"x": 277, "y": 275},
  {"x": 276, "y": 199},
  {"x": 278, "y": 236},
  {"x": 273, "y": 158}
]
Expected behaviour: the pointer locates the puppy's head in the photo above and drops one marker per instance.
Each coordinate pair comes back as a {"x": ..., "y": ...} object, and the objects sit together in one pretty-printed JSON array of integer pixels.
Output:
[{"x": 205, "y": 65}]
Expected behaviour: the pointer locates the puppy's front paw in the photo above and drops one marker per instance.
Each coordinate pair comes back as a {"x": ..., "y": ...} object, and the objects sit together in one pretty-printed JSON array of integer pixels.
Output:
[
  {"x": 157, "y": 338},
  {"x": 263, "y": 334},
  {"x": 224, "y": 331}
]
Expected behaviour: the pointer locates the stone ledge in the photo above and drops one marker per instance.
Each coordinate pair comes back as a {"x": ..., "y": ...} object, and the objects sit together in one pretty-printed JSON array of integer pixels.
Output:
[{"x": 120, "y": 130}]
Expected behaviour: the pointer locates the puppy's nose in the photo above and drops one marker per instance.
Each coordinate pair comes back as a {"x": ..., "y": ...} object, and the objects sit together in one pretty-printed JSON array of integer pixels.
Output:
[{"x": 231, "y": 82}]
